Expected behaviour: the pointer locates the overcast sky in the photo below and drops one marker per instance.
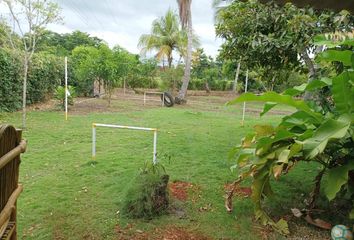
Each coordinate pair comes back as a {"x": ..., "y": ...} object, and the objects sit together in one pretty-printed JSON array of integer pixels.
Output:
[{"x": 124, "y": 21}]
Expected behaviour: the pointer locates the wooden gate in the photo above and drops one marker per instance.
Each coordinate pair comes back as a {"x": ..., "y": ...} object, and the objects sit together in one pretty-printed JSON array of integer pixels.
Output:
[{"x": 11, "y": 146}]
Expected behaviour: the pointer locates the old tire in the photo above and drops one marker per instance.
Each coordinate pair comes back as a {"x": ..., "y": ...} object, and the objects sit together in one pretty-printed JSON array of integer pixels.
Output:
[{"x": 168, "y": 101}]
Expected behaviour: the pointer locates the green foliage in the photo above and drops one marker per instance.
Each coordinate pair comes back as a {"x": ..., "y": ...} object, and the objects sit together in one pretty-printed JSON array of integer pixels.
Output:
[
  {"x": 270, "y": 38},
  {"x": 44, "y": 74},
  {"x": 313, "y": 133},
  {"x": 64, "y": 44},
  {"x": 165, "y": 37},
  {"x": 171, "y": 78},
  {"x": 110, "y": 68},
  {"x": 91, "y": 64},
  {"x": 59, "y": 94},
  {"x": 147, "y": 194},
  {"x": 10, "y": 80}
]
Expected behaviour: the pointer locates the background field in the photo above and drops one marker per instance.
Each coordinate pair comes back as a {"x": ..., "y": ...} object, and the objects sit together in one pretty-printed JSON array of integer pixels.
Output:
[{"x": 69, "y": 196}]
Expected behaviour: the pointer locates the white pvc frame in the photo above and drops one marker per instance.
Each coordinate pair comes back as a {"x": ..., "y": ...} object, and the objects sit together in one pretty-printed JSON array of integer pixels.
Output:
[
  {"x": 95, "y": 125},
  {"x": 157, "y": 93},
  {"x": 66, "y": 88}
]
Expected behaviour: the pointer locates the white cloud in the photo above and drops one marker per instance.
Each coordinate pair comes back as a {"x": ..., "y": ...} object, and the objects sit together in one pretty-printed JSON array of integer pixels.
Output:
[{"x": 123, "y": 22}]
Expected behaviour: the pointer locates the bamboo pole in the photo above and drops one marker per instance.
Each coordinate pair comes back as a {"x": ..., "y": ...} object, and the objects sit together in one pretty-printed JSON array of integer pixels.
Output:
[
  {"x": 10, "y": 206},
  {"x": 21, "y": 148}
]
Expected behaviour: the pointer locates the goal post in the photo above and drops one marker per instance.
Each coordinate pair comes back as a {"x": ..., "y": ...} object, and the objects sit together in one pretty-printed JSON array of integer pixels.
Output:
[
  {"x": 95, "y": 125},
  {"x": 154, "y": 93}
]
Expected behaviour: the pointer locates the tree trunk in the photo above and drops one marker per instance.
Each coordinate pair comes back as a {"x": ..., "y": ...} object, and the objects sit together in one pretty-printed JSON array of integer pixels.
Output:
[
  {"x": 312, "y": 72},
  {"x": 24, "y": 93},
  {"x": 181, "y": 98},
  {"x": 234, "y": 88},
  {"x": 272, "y": 83},
  {"x": 170, "y": 59},
  {"x": 207, "y": 88}
]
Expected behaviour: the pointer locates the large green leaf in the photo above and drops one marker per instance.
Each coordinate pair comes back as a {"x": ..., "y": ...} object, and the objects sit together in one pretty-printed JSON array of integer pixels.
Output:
[
  {"x": 265, "y": 143},
  {"x": 297, "y": 90},
  {"x": 343, "y": 93},
  {"x": 301, "y": 119},
  {"x": 338, "y": 56},
  {"x": 330, "y": 129},
  {"x": 312, "y": 86},
  {"x": 337, "y": 177},
  {"x": 275, "y": 98},
  {"x": 318, "y": 84},
  {"x": 267, "y": 107}
]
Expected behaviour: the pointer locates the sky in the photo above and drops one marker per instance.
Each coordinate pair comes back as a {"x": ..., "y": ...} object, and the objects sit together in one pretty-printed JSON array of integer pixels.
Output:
[{"x": 124, "y": 21}]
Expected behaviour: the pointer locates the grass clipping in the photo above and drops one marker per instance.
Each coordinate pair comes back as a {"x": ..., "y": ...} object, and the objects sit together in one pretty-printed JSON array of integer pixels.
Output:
[{"x": 147, "y": 195}]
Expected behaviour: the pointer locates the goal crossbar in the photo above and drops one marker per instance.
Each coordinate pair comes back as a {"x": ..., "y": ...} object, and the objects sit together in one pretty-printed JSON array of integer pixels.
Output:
[
  {"x": 95, "y": 125},
  {"x": 154, "y": 93}
]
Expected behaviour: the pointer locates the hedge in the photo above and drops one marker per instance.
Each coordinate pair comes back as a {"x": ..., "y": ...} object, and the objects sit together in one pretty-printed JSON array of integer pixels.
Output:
[{"x": 45, "y": 73}]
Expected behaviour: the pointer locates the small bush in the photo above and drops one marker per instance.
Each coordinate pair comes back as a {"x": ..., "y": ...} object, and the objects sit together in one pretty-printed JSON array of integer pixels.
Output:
[
  {"x": 59, "y": 94},
  {"x": 147, "y": 195}
]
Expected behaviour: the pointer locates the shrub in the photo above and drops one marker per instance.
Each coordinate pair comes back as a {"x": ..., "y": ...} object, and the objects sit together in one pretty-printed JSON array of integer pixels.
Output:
[
  {"x": 44, "y": 74},
  {"x": 59, "y": 94},
  {"x": 320, "y": 131},
  {"x": 10, "y": 80},
  {"x": 147, "y": 194},
  {"x": 171, "y": 78}
]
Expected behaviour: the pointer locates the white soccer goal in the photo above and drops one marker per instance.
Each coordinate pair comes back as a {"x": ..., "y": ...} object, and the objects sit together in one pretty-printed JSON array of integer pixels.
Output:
[
  {"x": 154, "y": 93},
  {"x": 95, "y": 125}
]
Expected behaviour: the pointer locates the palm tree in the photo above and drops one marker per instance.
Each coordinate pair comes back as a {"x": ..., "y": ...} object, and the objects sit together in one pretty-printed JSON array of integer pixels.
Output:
[
  {"x": 165, "y": 37},
  {"x": 185, "y": 15},
  {"x": 219, "y": 5}
]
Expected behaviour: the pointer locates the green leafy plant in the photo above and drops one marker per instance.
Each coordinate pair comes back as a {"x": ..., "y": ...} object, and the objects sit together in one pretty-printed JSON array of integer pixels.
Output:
[
  {"x": 59, "y": 94},
  {"x": 147, "y": 194},
  {"x": 320, "y": 131}
]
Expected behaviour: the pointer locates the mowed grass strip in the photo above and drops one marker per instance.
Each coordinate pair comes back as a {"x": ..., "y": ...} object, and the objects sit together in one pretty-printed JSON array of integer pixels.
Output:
[{"x": 69, "y": 196}]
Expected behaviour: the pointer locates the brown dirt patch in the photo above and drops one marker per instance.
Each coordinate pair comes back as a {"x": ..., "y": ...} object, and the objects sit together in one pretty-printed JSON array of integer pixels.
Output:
[
  {"x": 239, "y": 191},
  {"x": 179, "y": 190},
  {"x": 167, "y": 233}
]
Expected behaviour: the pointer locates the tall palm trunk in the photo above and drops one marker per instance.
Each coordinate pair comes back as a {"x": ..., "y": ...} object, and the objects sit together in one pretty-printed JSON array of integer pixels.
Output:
[{"x": 181, "y": 98}]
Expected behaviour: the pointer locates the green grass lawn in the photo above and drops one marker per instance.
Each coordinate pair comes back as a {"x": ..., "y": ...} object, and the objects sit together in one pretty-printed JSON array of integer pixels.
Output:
[{"x": 67, "y": 196}]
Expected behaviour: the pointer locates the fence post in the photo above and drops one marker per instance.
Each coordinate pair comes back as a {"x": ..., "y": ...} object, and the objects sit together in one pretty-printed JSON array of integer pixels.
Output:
[
  {"x": 93, "y": 141},
  {"x": 155, "y": 145},
  {"x": 11, "y": 147}
]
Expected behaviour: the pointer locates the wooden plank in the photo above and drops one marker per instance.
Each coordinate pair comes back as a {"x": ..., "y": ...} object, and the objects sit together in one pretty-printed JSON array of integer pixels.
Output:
[
  {"x": 9, "y": 232},
  {"x": 10, "y": 205},
  {"x": 21, "y": 148}
]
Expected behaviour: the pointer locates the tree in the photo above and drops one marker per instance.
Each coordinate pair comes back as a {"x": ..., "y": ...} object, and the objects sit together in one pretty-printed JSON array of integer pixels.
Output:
[
  {"x": 95, "y": 64},
  {"x": 108, "y": 67},
  {"x": 204, "y": 68},
  {"x": 30, "y": 17},
  {"x": 6, "y": 34},
  {"x": 165, "y": 37},
  {"x": 185, "y": 14},
  {"x": 64, "y": 44},
  {"x": 271, "y": 37},
  {"x": 318, "y": 133}
]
